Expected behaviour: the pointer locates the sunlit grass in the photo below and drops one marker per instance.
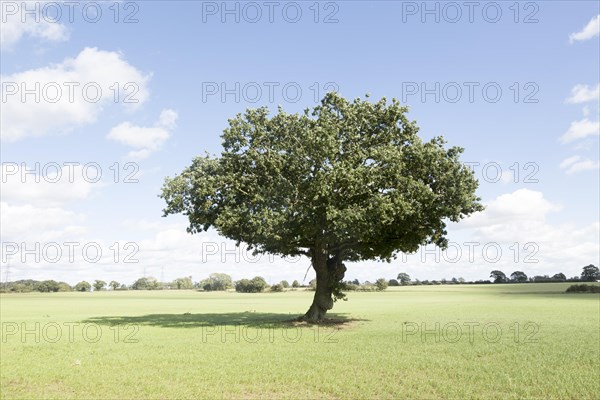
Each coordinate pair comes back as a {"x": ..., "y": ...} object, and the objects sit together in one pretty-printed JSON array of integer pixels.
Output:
[{"x": 527, "y": 341}]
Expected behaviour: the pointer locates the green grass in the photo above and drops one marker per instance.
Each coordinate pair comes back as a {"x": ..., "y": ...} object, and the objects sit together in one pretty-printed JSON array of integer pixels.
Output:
[{"x": 177, "y": 345}]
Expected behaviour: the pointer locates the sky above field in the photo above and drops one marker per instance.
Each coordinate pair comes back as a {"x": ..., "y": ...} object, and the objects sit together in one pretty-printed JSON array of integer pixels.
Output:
[{"x": 102, "y": 100}]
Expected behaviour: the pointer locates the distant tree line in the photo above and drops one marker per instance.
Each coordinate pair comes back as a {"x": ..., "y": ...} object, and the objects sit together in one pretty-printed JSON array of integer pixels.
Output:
[
  {"x": 379, "y": 285},
  {"x": 221, "y": 282},
  {"x": 590, "y": 273},
  {"x": 214, "y": 282},
  {"x": 30, "y": 285}
]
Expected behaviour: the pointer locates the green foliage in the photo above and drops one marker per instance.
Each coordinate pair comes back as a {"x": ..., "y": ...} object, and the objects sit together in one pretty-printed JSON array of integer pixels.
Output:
[
  {"x": 146, "y": 283},
  {"x": 99, "y": 285},
  {"x": 64, "y": 287},
  {"x": 404, "y": 278},
  {"x": 254, "y": 285},
  {"x": 345, "y": 181},
  {"x": 499, "y": 276},
  {"x": 183, "y": 283},
  {"x": 560, "y": 277},
  {"x": 381, "y": 284},
  {"x": 243, "y": 286},
  {"x": 285, "y": 284},
  {"x": 583, "y": 288},
  {"x": 47, "y": 286},
  {"x": 16, "y": 287},
  {"x": 350, "y": 286},
  {"x": 590, "y": 273},
  {"x": 518, "y": 276},
  {"x": 393, "y": 282},
  {"x": 295, "y": 284},
  {"x": 30, "y": 285},
  {"x": 337, "y": 292},
  {"x": 354, "y": 176},
  {"x": 217, "y": 282},
  {"x": 82, "y": 286},
  {"x": 114, "y": 285},
  {"x": 278, "y": 287},
  {"x": 367, "y": 287}
]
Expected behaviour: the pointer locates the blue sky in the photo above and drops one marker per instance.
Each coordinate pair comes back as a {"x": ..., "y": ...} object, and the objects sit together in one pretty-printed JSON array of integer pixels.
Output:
[{"x": 543, "y": 56}]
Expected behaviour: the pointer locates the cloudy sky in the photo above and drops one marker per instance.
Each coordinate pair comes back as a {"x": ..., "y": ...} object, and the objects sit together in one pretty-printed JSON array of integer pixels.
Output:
[{"x": 102, "y": 100}]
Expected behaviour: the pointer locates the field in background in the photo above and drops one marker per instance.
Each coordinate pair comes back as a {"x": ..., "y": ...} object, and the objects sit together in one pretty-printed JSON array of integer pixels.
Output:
[{"x": 464, "y": 341}]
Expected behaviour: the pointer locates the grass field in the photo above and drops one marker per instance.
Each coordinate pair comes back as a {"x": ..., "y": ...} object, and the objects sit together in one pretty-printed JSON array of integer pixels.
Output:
[{"x": 490, "y": 341}]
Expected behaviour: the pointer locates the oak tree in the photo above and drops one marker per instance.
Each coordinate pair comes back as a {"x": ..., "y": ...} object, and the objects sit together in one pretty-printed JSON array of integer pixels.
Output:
[{"x": 346, "y": 181}]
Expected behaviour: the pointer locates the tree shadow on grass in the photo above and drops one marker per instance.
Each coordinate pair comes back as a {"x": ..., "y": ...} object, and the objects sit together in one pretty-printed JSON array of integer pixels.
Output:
[{"x": 250, "y": 319}]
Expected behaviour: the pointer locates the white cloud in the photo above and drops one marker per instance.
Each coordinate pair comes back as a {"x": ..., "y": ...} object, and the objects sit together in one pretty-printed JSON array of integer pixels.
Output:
[
  {"x": 72, "y": 93},
  {"x": 520, "y": 205},
  {"x": 513, "y": 217},
  {"x": 583, "y": 165},
  {"x": 507, "y": 176},
  {"x": 139, "y": 154},
  {"x": 47, "y": 184},
  {"x": 577, "y": 164},
  {"x": 569, "y": 161},
  {"x": 584, "y": 94},
  {"x": 146, "y": 140},
  {"x": 168, "y": 118},
  {"x": 581, "y": 129},
  {"x": 517, "y": 223},
  {"x": 139, "y": 137},
  {"x": 589, "y": 31},
  {"x": 15, "y": 24},
  {"x": 30, "y": 223}
]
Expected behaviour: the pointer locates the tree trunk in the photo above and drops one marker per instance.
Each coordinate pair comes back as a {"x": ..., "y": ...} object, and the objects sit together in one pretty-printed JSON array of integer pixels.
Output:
[{"x": 330, "y": 271}]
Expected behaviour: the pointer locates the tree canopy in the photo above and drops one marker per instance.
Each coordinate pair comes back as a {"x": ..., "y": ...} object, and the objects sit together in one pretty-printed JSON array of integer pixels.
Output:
[
  {"x": 404, "y": 278},
  {"x": 83, "y": 286},
  {"x": 499, "y": 276},
  {"x": 345, "y": 181},
  {"x": 590, "y": 273},
  {"x": 217, "y": 281},
  {"x": 518, "y": 276}
]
